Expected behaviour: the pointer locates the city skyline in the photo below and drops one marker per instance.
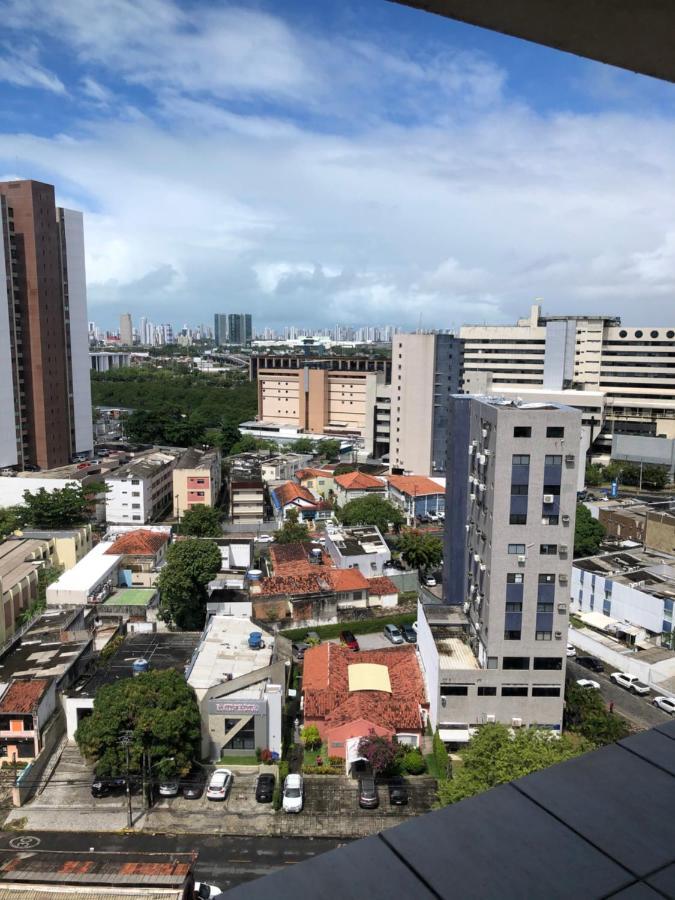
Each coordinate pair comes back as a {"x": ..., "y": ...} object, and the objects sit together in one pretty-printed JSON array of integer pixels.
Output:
[{"x": 319, "y": 201}]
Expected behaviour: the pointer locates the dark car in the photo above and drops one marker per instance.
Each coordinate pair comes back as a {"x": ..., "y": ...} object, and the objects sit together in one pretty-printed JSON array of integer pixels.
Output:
[
  {"x": 590, "y": 662},
  {"x": 299, "y": 648},
  {"x": 348, "y": 639},
  {"x": 368, "y": 796},
  {"x": 409, "y": 634},
  {"x": 193, "y": 785},
  {"x": 398, "y": 792},
  {"x": 104, "y": 786},
  {"x": 264, "y": 788}
]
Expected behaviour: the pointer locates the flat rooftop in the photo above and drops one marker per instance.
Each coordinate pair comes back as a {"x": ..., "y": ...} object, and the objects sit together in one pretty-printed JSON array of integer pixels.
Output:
[
  {"x": 141, "y": 597},
  {"x": 90, "y": 569},
  {"x": 162, "y": 650},
  {"x": 143, "y": 467},
  {"x": 48, "y": 649},
  {"x": 358, "y": 541},
  {"x": 645, "y": 570},
  {"x": 17, "y": 559},
  {"x": 453, "y": 652},
  {"x": 223, "y": 653}
]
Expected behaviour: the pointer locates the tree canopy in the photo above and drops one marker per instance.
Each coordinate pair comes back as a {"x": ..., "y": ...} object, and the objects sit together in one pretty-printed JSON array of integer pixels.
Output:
[
  {"x": 303, "y": 445},
  {"x": 11, "y": 518},
  {"x": 201, "y": 521},
  {"x": 382, "y": 753},
  {"x": 585, "y": 713},
  {"x": 588, "y": 532},
  {"x": 371, "y": 510},
  {"x": 420, "y": 550},
  {"x": 329, "y": 449},
  {"x": 292, "y": 530},
  {"x": 190, "y": 565},
  {"x": 160, "y": 713},
  {"x": 495, "y": 756},
  {"x": 61, "y": 508},
  {"x": 628, "y": 473}
]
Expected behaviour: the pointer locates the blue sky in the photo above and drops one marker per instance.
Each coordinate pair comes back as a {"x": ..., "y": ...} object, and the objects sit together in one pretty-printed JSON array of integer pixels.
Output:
[{"x": 339, "y": 162}]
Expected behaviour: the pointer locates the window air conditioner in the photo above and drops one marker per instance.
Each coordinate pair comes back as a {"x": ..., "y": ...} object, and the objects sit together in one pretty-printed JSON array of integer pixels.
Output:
[
  {"x": 482, "y": 567},
  {"x": 548, "y": 498},
  {"x": 481, "y": 459},
  {"x": 569, "y": 457},
  {"x": 522, "y": 558},
  {"x": 481, "y": 487},
  {"x": 476, "y": 557},
  {"x": 562, "y": 549},
  {"x": 467, "y": 527},
  {"x": 563, "y": 579},
  {"x": 484, "y": 432},
  {"x": 490, "y": 718},
  {"x": 517, "y": 722},
  {"x": 565, "y": 519},
  {"x": 472, "y": 496},
  {"x": 558, "y": 635},
  {"x": 562, "y": 607}
]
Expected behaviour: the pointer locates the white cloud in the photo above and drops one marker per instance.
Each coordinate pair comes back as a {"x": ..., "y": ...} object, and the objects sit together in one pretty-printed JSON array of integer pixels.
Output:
[{"x": 22, "y": 68}]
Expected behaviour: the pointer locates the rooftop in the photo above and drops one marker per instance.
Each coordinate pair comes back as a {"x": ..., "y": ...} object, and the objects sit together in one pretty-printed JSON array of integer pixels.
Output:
[
  {"x": 645, "y": 570},
  {"x": 310, "y": 472},
  {"x": 119, "y": 869},
  {"x": 357, "y": 541},
  {"x": 453, "y": 652},
  {"x": 139, "y": 543},
  {"x": 23, "y": 695},
  {"x": 18, "y": 558},
  {"x": 49, "y": 648},
  {"x": 143, "y": 467},
  {"x": 416, "y": 485},
  {"x": 381, "y": 586},
  {"x": 130, "y": 597},
  {"x": 89, "y": 570},
  {"x": 289, "y": 492},
  {"x": 223, "y": 652},
  {"x": 359, "y": 481},
  {"x": 294, "y": 559},
  {"x": 193, "y": 458}
]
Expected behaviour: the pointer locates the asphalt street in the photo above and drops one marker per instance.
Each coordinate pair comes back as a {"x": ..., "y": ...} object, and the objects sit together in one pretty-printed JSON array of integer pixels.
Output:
[
  {"x": 637, "y": 710},
  {"x": 223, "y": 861}
]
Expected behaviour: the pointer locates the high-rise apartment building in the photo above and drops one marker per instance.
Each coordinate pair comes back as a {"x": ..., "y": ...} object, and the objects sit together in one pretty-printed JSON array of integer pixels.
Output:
[
  {"x": 45, "y": 395},
  {"x": 425, "y": 371},
  {"x": 496, "y": 651},
  {"x": 220, "y": 328},
  {"x": 239, "y": 328},
  {"x": 126, "y": 330},
  {"x": 634, "y": 368}
]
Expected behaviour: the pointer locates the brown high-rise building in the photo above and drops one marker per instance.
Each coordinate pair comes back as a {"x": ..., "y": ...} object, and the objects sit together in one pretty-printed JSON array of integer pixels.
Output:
[{"x": 45, "y": 395}]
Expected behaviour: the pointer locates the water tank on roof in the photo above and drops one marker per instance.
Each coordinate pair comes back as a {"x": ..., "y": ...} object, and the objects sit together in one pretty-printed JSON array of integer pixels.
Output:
[
  {"x": 140, "y": 665},
  {"x": 254, "y": 574}
]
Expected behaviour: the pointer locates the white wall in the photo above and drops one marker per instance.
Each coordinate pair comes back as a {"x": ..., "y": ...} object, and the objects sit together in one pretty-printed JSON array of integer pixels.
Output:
[
  {"x": 274, "y": 697},
  {"x": 624, "y": 659},
  {"x": 428, "y": 658},
  {"x": 8, "y": 454},
  {"x": 72, "y": 704},
  {"x": 12, "y": 488},
  {"x": 79, "y": 337},
  {"x": 628, "y": 604},
  {"x": 119, "y": 501}
]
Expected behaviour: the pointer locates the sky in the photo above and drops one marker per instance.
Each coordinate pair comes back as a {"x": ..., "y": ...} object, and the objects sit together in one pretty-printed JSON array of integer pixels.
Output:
[{"x": 348, "y": 161}]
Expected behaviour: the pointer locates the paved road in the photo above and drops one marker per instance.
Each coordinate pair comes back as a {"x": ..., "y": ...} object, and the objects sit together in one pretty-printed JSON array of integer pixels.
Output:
[
  {"x": 224, "y": 861},
  {"x": 636, "y": 709}
]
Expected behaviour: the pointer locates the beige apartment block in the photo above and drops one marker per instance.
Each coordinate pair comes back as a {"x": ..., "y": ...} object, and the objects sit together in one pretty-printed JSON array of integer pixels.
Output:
[{"x": 196, "y": 480}]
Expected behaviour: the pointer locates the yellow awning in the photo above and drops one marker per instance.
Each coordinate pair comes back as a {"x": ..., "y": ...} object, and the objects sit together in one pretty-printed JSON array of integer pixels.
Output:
[{"x": 368, "y": 677}]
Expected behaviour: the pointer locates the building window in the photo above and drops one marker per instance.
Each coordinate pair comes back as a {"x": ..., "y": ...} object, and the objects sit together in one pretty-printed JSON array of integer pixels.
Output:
[
  {"x": 555, "y": 431},
  {"x": 517, "y": 549},
  {"x": 511, "y": 636},
  {"x": 243, "y": 739},
  {"x": 550, "y": 520},
  {"x": 517, "y": 519},
  {"x": 519, "y": 490},
  {"x": 520, "y": 459},
  {"x": 548, "y": 549},
  {"x": 522, "y": 431},
  {"x": 545, "y": 691},
  {"x": 513, "y": 606},
  {"x": 516, "y": 662},
  {"x": 454, "y": 690},
  {"x": 514, "y": 578},
  {"x": 543, "y": 635},
  {"x": 487, "y": 691},
  {"x": 547, "y": 579},
  {"x": 553, "y": 460},
  {"x": 514, "y": 690},
  {"x": 549, "y": 663},
  {"x": 492, "y": 662}
]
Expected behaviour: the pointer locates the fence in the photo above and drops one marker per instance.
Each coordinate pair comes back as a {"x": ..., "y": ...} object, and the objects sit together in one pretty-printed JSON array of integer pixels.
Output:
[{"x": 405, "y": 581}]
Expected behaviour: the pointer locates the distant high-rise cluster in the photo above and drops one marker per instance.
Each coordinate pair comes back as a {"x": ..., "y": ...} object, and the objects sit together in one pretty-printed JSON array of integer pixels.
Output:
[{"x": 233, "y": 328}]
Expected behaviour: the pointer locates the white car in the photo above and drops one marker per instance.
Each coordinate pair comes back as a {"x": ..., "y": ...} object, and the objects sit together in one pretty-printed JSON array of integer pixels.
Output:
[
  {"x": 571, "y": 651},
  {"x": 204, "y": 891},
  {"x": 630, "y": 683},
  {"x": 220, "y": 783},
  {"x": 293, "y": 794},
  {"x": 588, "y": 683},
  {"x": 430, "y": 581},
  {"x": 432, "y": 516},
  {"x": 667, "y": 704},
  {"x": 264, "y": 539}
]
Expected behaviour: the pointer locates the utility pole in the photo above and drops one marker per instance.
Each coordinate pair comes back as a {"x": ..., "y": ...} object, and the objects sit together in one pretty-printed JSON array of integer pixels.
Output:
[{"x": 126, "y": 743}]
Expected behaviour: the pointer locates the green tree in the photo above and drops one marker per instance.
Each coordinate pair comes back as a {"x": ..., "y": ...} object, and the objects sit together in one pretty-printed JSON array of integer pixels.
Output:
[
  {"x": 655, "y": 477},
  {"x": 311, "y": 738},
  {"x": 292, "y": 530},
  {"x": 421, "y": 551},
  {"x": 190, "y": 565},
  {"x": 303, "y": 445},
  {"x": 62, "y": 508},
  {"x": 11, "y": 518},
  {"x": 201, "y": 521},
  {"x": 495, "y": 756},
  {"x": 588, "y": 532},
  {"x": 586, "y": 714},
  {"x": 595, "y": 475},
  {"x": 226, "y": 437},
  {"x": 371, "y": 510},
  {"x": 46, "y": 575},
  {"x": 249, "y": 444},
  {"x": 160, "y": 713},
  {"x": 329, "y": 449},
  {"x": 383, "y": 753}
]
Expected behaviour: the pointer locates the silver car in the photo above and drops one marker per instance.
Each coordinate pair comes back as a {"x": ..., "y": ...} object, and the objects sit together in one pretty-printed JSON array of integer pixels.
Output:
[
  {"x": 393, "y": 634},
  {"x": 667, "y": 704}
]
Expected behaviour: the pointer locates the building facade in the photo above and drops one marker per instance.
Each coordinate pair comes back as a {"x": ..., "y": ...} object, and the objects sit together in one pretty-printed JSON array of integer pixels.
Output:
[
  {"x": 141, "y": 490},
  {"x": 126, "y": 330},
  {"x": 425, "y": 372},
  {"x": 509, "y": 538},
  {"x": 196, "y": 480},
  {"x": 45, "y": 394},
  {"x": 220, "y": 328}
]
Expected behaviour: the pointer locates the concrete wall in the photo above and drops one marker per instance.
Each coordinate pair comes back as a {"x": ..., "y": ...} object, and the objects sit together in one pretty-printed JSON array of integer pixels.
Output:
[
  {"x": 660, "y": 532},
  {"x": 428, "y": 657},
  {"x": 623, "y": 659},
  {"x": 29, "y": 780}
]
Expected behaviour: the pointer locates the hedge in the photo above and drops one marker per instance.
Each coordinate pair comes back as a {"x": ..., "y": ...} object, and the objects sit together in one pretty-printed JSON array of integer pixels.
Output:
[
  {"x": 278, "y": 796},
  {"x": 443, "y": 763},
  {"x": 322, "y": 770},
  {"x": 360, "y": 626}
]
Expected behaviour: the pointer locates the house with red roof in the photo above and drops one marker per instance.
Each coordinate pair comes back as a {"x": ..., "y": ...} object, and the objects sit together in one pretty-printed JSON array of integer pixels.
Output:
[
  {"x": 353, "y": 485},
  {"x": 25, "y": 708},
  {"x": 417, "y": 495},
  {"x": 291, "y": 495},
  {"x": 347, "y": 695},
  {"x": 142, "y": 552},
  {"x": 319, "y": 481}
]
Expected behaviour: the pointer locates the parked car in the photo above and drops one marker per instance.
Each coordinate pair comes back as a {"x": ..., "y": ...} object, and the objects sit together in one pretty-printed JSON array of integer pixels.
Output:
[
  {"x": 264, "y": 539},
  {"x": 193, "y": 786},
  {"x": 368, "y": 796},
  {"x": 588, "y": 683},
  {"x": 299, "y": 648},
  {"x": 220, "y": 783},
  {"x": 293, "y": 794},
  {"x": 264, "y": 787},
  {"x": 667, "y": 704},
  {"x": 570, "y": 650},
  {"x": 409, "y": 634},
  {"x": 398, "y": 792},
  {"x": 630, "y": 683},
  {"x": 590, "y": 662},
  {"x": 105, "y": 785},
  {"x": 169, "y": 787},
  {"x": 429, "y": 581},
  {"x": 432, "y": 516},
  {"x": 393, "y": 634},
  {"x": 349, "y": 640},
  {"x": 204, "y": 891}
]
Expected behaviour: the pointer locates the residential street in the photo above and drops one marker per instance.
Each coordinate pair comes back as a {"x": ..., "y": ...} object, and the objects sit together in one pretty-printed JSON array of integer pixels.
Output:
[
  {"x": 224, "y": 861},
  {"x": 637, "y": 710}
]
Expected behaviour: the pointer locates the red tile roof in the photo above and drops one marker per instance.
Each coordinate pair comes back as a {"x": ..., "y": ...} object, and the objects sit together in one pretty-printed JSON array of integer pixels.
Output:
[
  {"x": 313, "y": 473},
  {"x": 348, "y": 580},
  {"x": 359, "y": 481},
  {"x": 139, "y": 543},
  {"x": 303, "y": 582},
  {"x": 289, "y": 491},
  {"x": 380, "y": 586},
  {"x": 293, "y": 559},
  {"x": 24, "y": 695},
  {"x": 415, "y": 485},
  {"x": 325, "y": 687}
]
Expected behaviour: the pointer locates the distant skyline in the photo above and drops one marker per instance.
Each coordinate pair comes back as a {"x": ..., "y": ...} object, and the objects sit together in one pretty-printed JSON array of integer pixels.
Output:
[{"x": 347, "y": 162}]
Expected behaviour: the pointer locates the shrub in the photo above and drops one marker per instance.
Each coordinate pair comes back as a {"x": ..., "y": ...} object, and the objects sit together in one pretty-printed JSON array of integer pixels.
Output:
[
  {"x": 320, "y": 770},
  {"x": 336, "y": 761},
  {"x": 443, "y": 763},
  {"x": 414, "y": 763},
  {"x": 382, "y": 753},
  {"x": 311, "y": 737},
  {"x": 277, "y": 797}
]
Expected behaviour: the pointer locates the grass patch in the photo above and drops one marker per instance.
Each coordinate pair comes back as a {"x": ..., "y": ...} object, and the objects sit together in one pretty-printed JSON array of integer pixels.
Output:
[
  {"x": 238, "y": 761},
  {"x": 359, "y": 626},
  {"x": 310, "y": 756}
]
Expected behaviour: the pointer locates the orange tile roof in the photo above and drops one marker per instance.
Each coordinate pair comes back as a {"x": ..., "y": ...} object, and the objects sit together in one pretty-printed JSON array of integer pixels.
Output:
[
  {"x": 325, "y": 686},
  {"x": 289, "y": 491},
  {"x": 293, "y": 559},
  {"x": 380, "y": 586},
  {"x": 139, "y": 543},
  {"x": 313, "y": 473},
  {"x": 358, "y": 481},
  {"x": 23, "y": 695},
  {"x": 348, "y": 580},
  {"x": 303, "y": 582},
  {"x": 415, "y": 485}
]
